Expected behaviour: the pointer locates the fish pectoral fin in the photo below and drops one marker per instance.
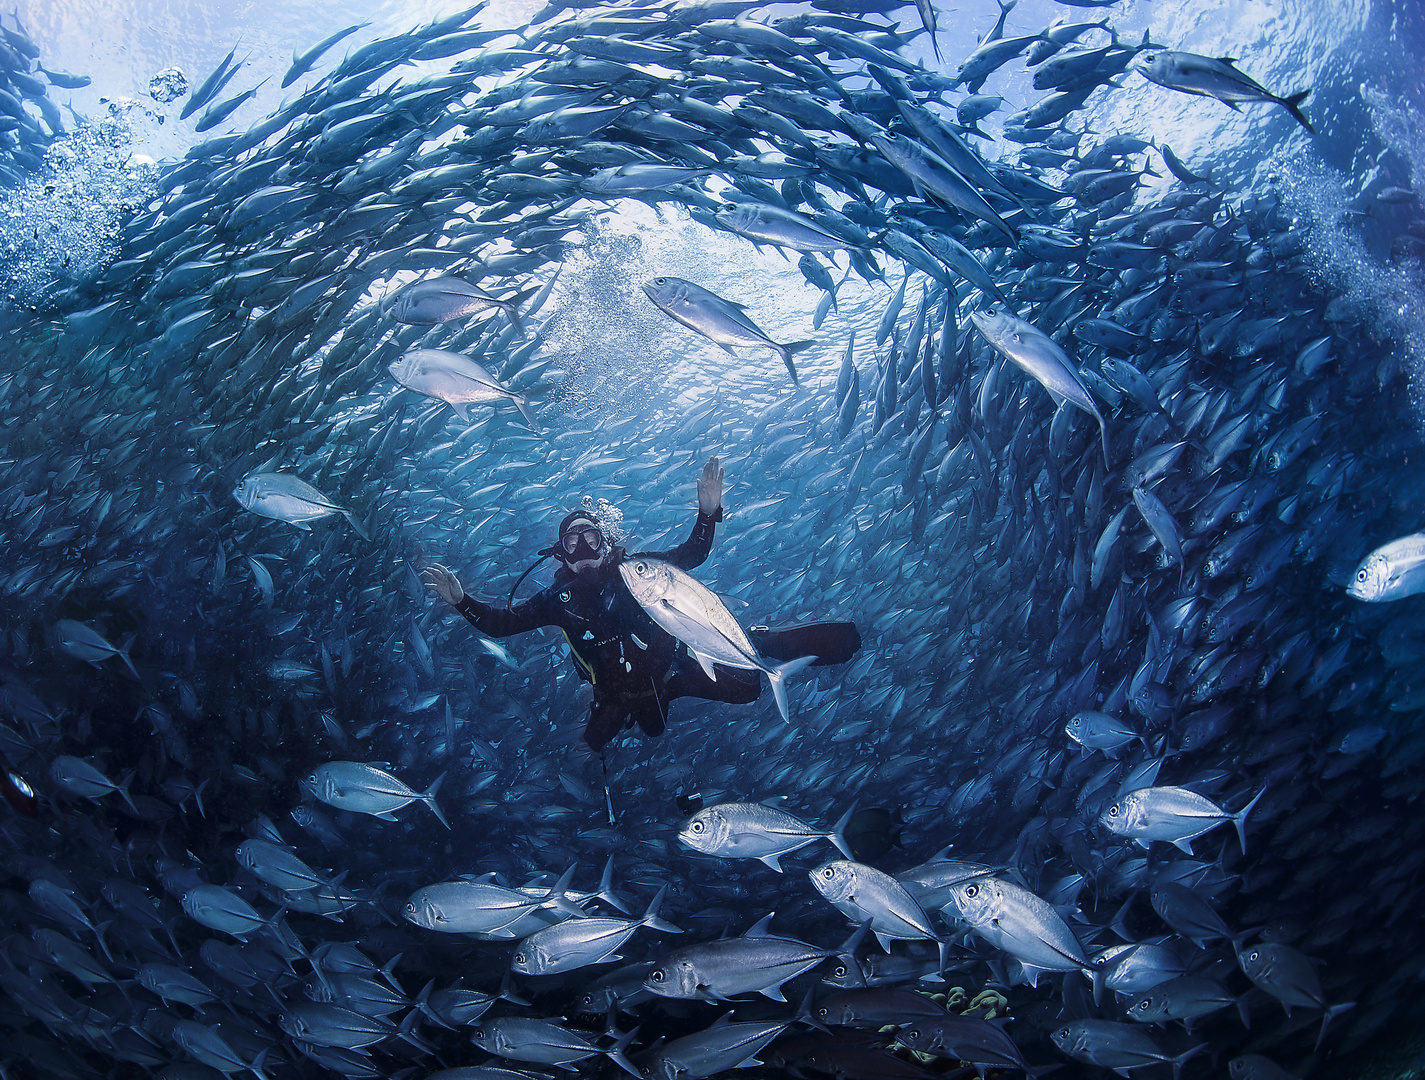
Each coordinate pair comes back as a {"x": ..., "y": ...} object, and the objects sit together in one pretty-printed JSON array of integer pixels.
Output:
[
  {"x": 462, "y": 410},
  {"x": 773, "y": 992},
  {"x": 771, "y": 860},
  {"x": 301, "y": 525},
  {"x": 705, "y": 663}
]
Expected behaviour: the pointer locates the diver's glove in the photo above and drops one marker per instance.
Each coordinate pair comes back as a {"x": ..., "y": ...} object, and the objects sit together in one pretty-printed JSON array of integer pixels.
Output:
[
  {"x": 710, "y": 490},
  {"x": 445, "y": 584}
]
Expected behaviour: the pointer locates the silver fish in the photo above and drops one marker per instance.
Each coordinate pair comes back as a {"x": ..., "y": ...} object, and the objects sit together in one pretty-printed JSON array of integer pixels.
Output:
[
  {"x": 365, "y": 789},
  {"x": 1033, "y": 351},
  {"x": 456, "y": 380},
  {"x": 1391, "y": 571},
  {"x": 717, "y": 319},
  {"x": 283, "y": 497},
  {"x": 1174, "y": 814},
  {"x": 755, "y": 831},
  {"x": 696, "y": 616}
]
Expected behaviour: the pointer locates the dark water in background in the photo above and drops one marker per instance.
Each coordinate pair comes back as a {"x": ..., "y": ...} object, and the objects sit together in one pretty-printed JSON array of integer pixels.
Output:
[{"x": 123, "y": 439}]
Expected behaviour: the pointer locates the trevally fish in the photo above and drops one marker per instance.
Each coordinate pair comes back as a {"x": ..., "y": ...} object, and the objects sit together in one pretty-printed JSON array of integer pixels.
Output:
[
  {"x": 703, "y": 1054},
  {"x": 867, "y": 895},
  {"x": 543, "y": 1042},
  {"x": 1288, "y": 976},
  {"x": 365, "y": 789},
  {"x": 1217, "y": 78},
  {"x": 1174, "y": 814},
  {"x": 1033, "y": 351},
  {"x": 283, "y": 497},
  {"x": 1026, "y": 926},
  {"x": 84, "y": 643},
  {"x": 1391, "y": 571},
  {"x": 456, "y": 380},
  {"x": 757, "y": 962},
  {"x": 1119, "y": 1047},
  {"x": 756, "y": 831},
  {"x": 696, "y": 616},
  {"x": 772, "y": 225},
  {"x": 441, "y": 299},
  {"x": 482, "y": 907},
  {"x": 579, "y": 943},
  {"x": 721, "y": 321}
]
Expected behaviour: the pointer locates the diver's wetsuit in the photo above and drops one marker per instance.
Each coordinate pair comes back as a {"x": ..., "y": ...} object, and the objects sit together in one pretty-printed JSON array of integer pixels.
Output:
[{"x": 635, "y": 666}]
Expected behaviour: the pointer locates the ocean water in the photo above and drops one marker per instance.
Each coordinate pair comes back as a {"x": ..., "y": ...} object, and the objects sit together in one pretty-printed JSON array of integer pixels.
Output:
[{"x": 1001, "y": 572}]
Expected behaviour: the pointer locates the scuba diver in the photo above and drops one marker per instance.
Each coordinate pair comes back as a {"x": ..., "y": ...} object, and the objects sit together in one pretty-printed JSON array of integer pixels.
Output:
[{"x": 634, "y": 666}]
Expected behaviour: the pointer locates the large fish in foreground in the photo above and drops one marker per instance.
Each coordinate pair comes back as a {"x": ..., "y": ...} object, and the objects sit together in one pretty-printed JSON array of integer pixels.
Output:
[
  {"x": 718, "y": 320},
  {"x": 1212, "y": 77},
  {"x": 693, "y": 614},
  {"x": 287, "y": 498},
  {"x": 1033, "y": 351},
  {"x": 1391, "y": 571}
]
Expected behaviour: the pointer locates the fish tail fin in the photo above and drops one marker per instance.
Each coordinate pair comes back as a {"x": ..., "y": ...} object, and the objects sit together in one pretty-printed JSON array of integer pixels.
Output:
[
  {"x": 122, "y": 787},
  {"x": 837, "y": 835},
  {"x": 523, "y": 405},
  {"x": 1240, "y": 819},
  {"x": 847, "y": 955},
  {"x": 1178, "y": 1062},
  {"x": 511, "y": 307},
  {"x": 606, "y": 889},
  {"x": 615, "y": 1054},
  {"x": 788, "y": 351},
  {"x": 122, "y": 652},
  {"x": 1292, "y": 104},
  {"x": 356, "y": 526},
  {"x": 428, "y": 797},
  {"x": 557, "y": 897},
  {"x": 422, "y": 1004},
  {"x": 1103, "y": 434},
  {"x": 777, "y": 675},
  {"x": 651, "y": 919},
  {"x": 507, "y": 990},
  {"x": 1330, "y": 1014},
  {"x": 805, "y": 1014}
]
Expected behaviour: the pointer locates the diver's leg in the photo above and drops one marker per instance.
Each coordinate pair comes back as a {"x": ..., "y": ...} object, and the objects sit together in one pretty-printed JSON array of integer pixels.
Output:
[
  {"x": 650, "y": 717},
  {"x": 606, "y": 717},
  {"x": 829, "y": 642},
  {"x": 736, "y": 686}
]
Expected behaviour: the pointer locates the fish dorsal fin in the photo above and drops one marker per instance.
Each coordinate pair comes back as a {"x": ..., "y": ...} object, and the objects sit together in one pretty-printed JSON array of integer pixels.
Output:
[
  {"x": 760, "y": 929},
  {"x": 1227, "y": 59}
]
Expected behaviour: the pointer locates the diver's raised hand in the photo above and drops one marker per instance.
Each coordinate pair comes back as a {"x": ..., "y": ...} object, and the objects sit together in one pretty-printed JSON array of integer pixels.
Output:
[
  {"x": 445, "y": 583},
  {"x": 710, "y": 489}
]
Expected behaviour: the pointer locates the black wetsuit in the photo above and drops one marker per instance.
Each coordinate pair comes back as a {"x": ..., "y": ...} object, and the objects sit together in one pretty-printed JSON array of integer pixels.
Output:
[{"x": 635, "y": 666}]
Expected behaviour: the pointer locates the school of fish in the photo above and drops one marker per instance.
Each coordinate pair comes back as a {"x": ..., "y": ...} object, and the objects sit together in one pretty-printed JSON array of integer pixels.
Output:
[{"x": 1125, "y": 502}]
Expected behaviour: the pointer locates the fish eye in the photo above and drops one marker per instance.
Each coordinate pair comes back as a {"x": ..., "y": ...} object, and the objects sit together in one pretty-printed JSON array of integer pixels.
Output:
[
  {"x": 519, "y": 958},
  {"x": 696, "y": 826},
  {"x": 659, "y": 975},
  {"x": 913, "y": 1034},
  {"x": 828, "y": 873},
  {"x": 1253, "y": 955},
  {"x": 1113, "y": 810},
  {"x": 972, "y": 891},
  {"x": 839, "y": 972},
  {"x": 411, "y": 908},
  {"x": 660, "y": 281},
  {"x": 1361, "y": 574},
  {"x": 822, "y": 1012}
]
